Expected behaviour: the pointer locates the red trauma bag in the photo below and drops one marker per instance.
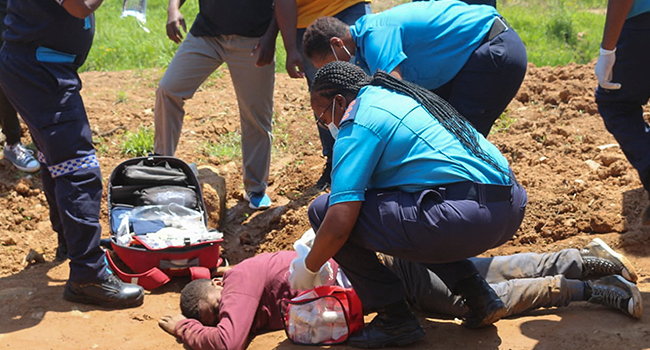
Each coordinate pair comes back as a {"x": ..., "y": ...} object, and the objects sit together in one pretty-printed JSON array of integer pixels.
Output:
[
  {"x": 323, "y": 315},
  {"x": 142, "y": 181}
]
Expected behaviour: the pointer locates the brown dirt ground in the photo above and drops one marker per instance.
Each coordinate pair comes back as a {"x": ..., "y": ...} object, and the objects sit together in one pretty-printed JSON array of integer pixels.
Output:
[{"x": 579, "y": 184}]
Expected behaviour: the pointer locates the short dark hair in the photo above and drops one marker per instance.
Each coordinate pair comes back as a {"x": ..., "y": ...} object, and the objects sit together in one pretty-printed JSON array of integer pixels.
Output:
[
  {"x": 192, "y": 294},
  {"x": 316, "y": 40}
]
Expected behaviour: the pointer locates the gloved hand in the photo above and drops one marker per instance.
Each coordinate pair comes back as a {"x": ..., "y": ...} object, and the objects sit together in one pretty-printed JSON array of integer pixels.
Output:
[
  {"x": 301, "y": 277},
  {"x": 604, "y": 69}
]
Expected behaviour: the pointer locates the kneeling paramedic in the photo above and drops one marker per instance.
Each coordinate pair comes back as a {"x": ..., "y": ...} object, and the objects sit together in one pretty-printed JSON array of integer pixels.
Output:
[{"x": 412, "y": 179}]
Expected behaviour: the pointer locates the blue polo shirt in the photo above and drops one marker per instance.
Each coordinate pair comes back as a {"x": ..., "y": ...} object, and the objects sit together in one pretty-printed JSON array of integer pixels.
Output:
[
  {"x": 431, "y": 40},
  {"x": 388, "y": 140},
  {"x": 639, "y": 7},
  {"x": 45, "y": 23}
]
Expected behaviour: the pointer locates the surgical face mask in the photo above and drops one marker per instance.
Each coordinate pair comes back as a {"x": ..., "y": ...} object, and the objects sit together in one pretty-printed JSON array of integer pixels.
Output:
[
  {"x": 334, "y": 130},
  {"x": 348, "y": 52},
  {"x": 351, "y": 60}
]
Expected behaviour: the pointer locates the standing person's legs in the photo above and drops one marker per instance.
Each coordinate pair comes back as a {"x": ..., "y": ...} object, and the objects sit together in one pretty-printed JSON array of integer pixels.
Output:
[
  {"x": 254, "y": 89},
  {"x": 622, "y": 110},
  {"x": 9, "y": 121},
  {"x": 347, "y": 16},
  {"x": 59, "y": 127},
  {"x": 195, "y": 60},
  {"x": 14, "y": 150},
  {"x": 489, "y": 80}
]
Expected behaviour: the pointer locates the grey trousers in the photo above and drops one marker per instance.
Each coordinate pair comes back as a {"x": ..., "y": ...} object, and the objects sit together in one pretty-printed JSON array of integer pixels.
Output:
[
  {"x": 195, "y": 60},
  {"x": 523, "y": 282}
]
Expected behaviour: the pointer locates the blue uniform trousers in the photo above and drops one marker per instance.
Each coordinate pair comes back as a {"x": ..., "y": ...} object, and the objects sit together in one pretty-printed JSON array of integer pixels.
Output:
[
  {"x": 488, "y": 81},
  {"x": 348, "y": 16},
  {"x": 46, "y": 95},
  {"x": 423, "y": 227},
  {"x": 622, "y": 110}
]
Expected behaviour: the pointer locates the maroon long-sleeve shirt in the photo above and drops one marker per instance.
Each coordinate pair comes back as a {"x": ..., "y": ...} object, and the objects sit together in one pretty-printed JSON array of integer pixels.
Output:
[{"x": 251, "y": 294}]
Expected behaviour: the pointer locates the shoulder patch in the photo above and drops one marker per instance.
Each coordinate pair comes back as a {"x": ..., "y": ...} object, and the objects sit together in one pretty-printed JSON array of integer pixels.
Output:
[{"x": 350, "y": 112}]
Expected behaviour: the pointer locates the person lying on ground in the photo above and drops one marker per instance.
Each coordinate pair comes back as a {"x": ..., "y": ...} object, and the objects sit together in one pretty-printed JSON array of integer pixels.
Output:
[
  {"x": 226, "y": 313},
  {"x": 528, "y": 281}
]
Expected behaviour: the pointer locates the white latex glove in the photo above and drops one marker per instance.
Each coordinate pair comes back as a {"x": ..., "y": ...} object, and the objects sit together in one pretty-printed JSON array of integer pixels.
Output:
[
  {"x": 325, "y": 276},
  {"x": 301, "y": 278},
  {"x": 604, "y": 69}
]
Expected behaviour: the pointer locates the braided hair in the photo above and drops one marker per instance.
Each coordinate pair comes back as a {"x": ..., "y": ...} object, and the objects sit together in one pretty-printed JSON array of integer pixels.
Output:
[
  {"x": 345, "y": 78},
  {"x": 316, "y": 40}
]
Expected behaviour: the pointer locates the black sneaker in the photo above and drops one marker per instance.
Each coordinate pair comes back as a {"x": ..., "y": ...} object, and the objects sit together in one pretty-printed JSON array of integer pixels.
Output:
[
  {"x": 394, "y": 325},
  {"x": 598, "y": 259},
  {"x": 325, "y": 179},
  {"x": 614, "y": 291},
  {"x": 110, "y": 293}
]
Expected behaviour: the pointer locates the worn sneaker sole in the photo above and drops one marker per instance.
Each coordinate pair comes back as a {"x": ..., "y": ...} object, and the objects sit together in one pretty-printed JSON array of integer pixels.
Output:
[
  {"x": 67, "y": 295},
  {"x": 628, "y": 271},
  {"x": 635, "y": 305},
  {"x": 398, "y": 340}
]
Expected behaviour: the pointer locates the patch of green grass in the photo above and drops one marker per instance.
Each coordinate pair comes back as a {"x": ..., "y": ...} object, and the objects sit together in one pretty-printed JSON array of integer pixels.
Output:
[
  {"x": 120, "y": 43},
  {"x": 557, "y": 32},
  {"x": 138, "y": 143},
  {"x": 227, "y": 148},
  {"x": 504, "y": 122},
  {"x": 100, "y": 145},
  {"x": 121, "y": 96}
]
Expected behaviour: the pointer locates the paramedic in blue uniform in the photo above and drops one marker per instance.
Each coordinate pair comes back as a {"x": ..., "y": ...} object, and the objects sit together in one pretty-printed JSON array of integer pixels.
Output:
[
  {"x": 413, "y": 179},
  {"x": 466, "y": 54},
  {"x": 45, "y": 43},
  {"x": 623, "y": 71}
]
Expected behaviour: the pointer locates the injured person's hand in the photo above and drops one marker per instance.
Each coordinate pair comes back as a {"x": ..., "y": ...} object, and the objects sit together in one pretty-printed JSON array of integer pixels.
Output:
[{"x": 168, "y": 323}]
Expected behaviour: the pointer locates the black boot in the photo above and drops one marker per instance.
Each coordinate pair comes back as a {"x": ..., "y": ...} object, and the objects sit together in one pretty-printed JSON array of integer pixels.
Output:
[
  {"x": 394, "y": 325},
  {"x": 110, "y": 293},
  {"x": 485, "y": 306}
]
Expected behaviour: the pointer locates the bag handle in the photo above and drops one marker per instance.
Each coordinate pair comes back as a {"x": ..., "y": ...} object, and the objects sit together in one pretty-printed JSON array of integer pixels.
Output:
[{"x": 149, "y": 280}]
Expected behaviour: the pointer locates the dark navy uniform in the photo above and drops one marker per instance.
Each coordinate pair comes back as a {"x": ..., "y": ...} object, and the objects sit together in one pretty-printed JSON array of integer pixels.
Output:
[
  {"x": 44, "y": 47},
  {"x": 622, "y": 109}
]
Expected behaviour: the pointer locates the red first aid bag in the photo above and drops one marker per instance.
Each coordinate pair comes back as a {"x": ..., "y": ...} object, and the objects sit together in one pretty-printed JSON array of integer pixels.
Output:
[
  {"x": 324, "y": 315},
  {"x": 156, "y": 183}
]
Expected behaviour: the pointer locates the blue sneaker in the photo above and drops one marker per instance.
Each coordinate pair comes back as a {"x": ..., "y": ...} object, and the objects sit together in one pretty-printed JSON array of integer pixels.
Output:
[
  {"x": 21, "y": 157},
  {"x": 257, "y": 201}
]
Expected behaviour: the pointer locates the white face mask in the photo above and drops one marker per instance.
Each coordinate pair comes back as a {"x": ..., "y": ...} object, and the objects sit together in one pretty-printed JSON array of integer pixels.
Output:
[
  {"x": 334, "y": 130},
  {"x": 346, "y": 51}
]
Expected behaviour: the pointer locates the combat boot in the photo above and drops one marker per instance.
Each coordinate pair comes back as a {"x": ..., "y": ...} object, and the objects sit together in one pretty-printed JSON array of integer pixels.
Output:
[
  {"x": 485, "y": 306},
  {"x": 394, "y": 325},
  {"x": 598, "y": 259},
  {"x": 614, "y": 291}
]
